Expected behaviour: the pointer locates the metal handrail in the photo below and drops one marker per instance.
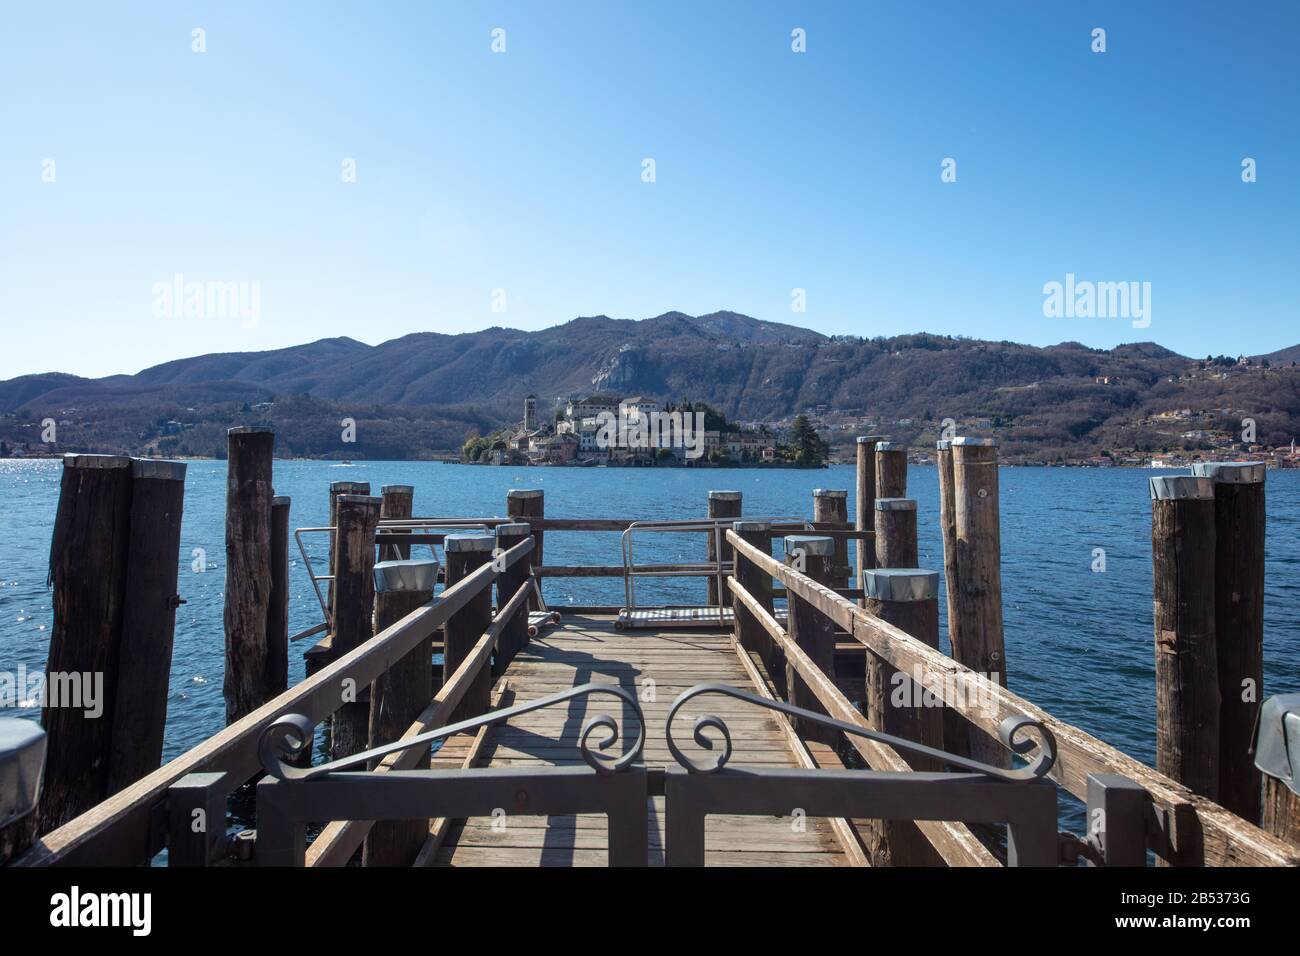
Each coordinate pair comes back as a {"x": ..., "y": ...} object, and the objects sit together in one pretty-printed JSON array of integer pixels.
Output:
[{"x": 717, "y": 568}]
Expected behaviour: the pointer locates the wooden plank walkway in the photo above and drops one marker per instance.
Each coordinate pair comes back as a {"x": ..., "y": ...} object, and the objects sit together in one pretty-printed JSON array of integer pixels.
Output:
[{"x": 657, "y": 666}]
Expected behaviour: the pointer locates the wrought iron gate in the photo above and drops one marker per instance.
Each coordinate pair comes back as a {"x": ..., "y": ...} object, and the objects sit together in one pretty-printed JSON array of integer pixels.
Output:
[{"x": 620, "y": 787}]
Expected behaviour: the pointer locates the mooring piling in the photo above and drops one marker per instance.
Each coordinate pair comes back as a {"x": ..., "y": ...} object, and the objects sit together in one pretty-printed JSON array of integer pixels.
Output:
[
  {"x": 864, "y": 515},
  {"x": 522, "y": 504},
  {"x": 398, "y": 504},
  {"x": 809, "y": 628},
  {"x": 88, "y": 571},
  {"x": 338, "y": 488},
  {"x": 1275, "y": 758},
  {"x": 248, "y": 568},
  {"x": 891, "y": 470},
  {"x": 896, "y": 533},
  {"x": 831, "y": 513},
  {"x": 722, "y": 504},
  {"x": 1238, "y": 624},
  {"x": 908, "y": 598},
  {"x": 976, "y": 627},
  {"x": 1187, "y": 670},
  {"x": 514, "y": 634},
  {"x": 277, "y": 612},
  {"x": 398, "y": 696},
  {"x": 139, "y": 713},
  {"x": 354, "y": 602},
  {"x": 749, "y": 632},
  {"x": 465, "y": 554}
]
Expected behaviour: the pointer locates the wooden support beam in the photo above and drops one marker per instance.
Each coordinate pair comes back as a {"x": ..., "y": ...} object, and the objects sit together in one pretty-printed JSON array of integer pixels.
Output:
[
  {"x": 338, "y": 488},
  {"x": 277, "y": 612},
  {"x": 749, "y": 635},
  {"x": 1187, "y": 671}
]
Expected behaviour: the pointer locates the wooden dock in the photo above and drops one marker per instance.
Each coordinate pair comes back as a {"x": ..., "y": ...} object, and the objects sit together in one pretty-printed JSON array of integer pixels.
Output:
[
  {"x": 762, "y": 728},
  {"x": 656, "y": 666}
]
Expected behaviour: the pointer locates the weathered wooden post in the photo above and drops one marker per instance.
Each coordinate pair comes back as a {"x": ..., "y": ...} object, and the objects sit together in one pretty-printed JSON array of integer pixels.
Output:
[
  {"x": 88, "y": 573},
  {"x": 338, "y": 488},
  {"x": 865, "y": 493},
  {"x": 1276, "y": 757},
  {"x": 896, "y": 533},
  {"x": 749, "y": 633},
  {"x": 976, "y": 627},
  {"x": 1238, "y": 624},
  {"x": 248, "y": 568},
  {"x": 813, "y": 631},
  {"x": 354, "y": 604},
  {"x": 891, "y": 470},
  {"x": 831, "y": 513},
  {"x": 522, "y": 504},
  {"x": 398, "y": 696},
  {"x": 947, "y": 525},
  {"x": 277, "y": 619},
  {"x": 899, "y": 704},
  {"x": 1187, "y": 669},
  {"x": 514, "y": 635},
  {"x": 467, "y": 553},
  {"x": 148, "y": 621},
  {"x": 398, "y": 504},
  {"x": 722, "y": 504}
]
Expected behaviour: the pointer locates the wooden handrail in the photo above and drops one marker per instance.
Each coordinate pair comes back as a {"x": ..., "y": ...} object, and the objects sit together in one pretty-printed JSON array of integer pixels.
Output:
[
  {"x": 123, "y": 830},
  {"x": 340, "y": 839},
  {"x": 1193, "y": 830},
  {"x": 952, "y": 840}
]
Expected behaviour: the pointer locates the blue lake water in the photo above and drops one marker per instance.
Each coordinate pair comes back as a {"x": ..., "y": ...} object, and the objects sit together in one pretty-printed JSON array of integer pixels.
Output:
[{"x": 1079, "y": 643}]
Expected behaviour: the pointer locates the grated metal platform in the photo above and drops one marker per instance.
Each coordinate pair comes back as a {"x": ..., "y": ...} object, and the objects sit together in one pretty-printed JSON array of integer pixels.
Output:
[{"x": 660, "y": 617}]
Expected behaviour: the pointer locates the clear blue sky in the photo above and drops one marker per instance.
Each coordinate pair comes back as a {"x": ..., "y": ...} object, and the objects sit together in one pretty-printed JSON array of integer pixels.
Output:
[{"x": 522, "y": 171}]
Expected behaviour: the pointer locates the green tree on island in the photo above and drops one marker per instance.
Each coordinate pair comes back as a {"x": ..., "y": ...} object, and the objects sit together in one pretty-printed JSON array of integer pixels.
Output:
[{"x": 806, "y": 446}]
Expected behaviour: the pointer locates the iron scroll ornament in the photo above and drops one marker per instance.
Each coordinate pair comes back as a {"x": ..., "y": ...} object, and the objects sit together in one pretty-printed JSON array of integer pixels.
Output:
[
  {"x": 287, "y": 735},
  {"x": 1010, "y": 732}
]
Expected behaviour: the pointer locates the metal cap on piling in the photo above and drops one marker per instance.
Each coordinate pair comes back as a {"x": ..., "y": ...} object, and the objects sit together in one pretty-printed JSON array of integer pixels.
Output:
[
  {"x": 871, "y": 439},
  {"x": 829, "y": 493},
  {"x": 462, "y": 543},
  {"x": 158, "y": 468},
  {"x": 742, "y": 526},
  {"x": 281, "y": 501},
  {"x": 900, "y": 584},
  {"x": 724, "y": 495},
  {"x": 397, "y": 489},
  {"x": 524, "y": 493},
  {"x": 360, "y": 500},
  {"x": 891, "y": 446},
  {"x": 349, "y": 487},
  {"x": 248, "y": 430},
  {"x": 1231, "y": 472},
  {"x": 810, "y": 544},
  {"x": 405, "y": 575},
  {"x": 895, "y": 504},
  {"x": 943, "y": 444},
  {"x": 1181, "y": 487},
  {"x": 73, "y": 460},
  {"x": 513, "y": 529},
  {"x": 22, "y": 760},
  {"x": 975, "y": 442}
]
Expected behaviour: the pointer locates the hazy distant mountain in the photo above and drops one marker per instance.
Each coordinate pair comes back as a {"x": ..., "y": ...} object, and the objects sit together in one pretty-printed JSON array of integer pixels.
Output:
[{"x": 422, "y": 392}]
